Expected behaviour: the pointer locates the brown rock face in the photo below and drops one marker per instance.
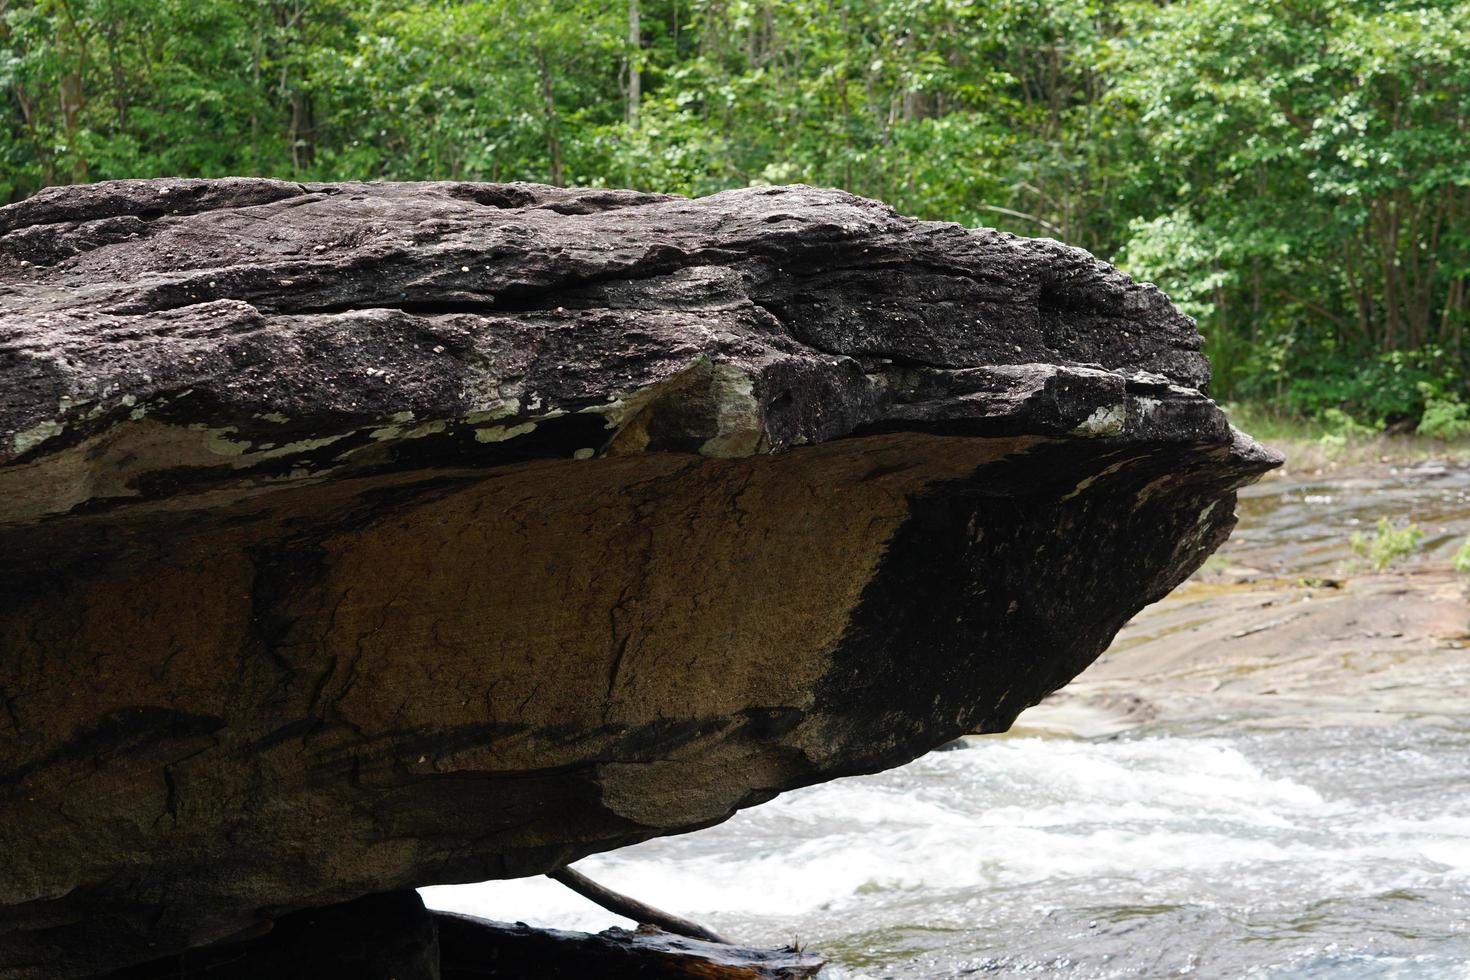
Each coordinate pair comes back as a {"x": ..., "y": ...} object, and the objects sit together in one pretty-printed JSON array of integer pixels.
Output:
[{"x": 355, "y": 537}]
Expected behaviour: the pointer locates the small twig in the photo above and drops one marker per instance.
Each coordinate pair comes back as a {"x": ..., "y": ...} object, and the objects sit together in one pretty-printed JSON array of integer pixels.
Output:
[
  {"x": 1022, "y": 215},
  {"x": 633, "y": 909}
]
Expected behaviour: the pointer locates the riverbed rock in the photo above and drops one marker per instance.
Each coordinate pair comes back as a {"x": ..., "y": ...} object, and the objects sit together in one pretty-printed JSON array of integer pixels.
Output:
[
  {"x": 362, "y": 536},
  {"x": 386, "y": 936},
  {"x": 391, "y": 936}
]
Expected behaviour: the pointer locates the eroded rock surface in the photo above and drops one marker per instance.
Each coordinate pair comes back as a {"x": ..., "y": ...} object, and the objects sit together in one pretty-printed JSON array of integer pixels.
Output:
[{"x": 355, "y": 537}]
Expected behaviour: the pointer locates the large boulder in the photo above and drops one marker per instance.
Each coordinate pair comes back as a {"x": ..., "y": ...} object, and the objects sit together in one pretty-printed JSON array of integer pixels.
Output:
[{"x": 362, "y": 536}]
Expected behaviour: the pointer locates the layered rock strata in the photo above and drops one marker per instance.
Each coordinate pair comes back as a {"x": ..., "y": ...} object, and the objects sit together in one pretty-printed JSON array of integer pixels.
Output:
[{"x": 362, "y": 536}]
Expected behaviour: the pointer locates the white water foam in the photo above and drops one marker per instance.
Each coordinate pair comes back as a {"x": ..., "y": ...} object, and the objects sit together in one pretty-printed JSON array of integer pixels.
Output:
[{"x": 1151, "y": 820}]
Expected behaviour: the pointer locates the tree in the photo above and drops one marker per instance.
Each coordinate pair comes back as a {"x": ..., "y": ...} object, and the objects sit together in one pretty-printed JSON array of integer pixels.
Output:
[{"x": 1305, "y": 151}]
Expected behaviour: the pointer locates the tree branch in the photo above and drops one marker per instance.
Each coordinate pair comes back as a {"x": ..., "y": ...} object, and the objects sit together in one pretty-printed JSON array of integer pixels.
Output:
[
  {"x": 632, "y": 908},
  {"x": 1022, "y": 215}
]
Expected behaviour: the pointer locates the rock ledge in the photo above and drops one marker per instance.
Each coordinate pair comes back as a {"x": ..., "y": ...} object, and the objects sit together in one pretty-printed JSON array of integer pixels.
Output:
[{"x": 362, "y": 536}]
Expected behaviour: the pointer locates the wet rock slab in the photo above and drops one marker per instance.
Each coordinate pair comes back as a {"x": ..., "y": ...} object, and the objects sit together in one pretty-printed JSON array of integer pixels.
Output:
[{"x": 355, "y": 537}]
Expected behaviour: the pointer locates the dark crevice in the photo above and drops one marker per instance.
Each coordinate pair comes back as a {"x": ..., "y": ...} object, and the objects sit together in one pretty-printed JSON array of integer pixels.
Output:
[
  {"x": 503, "y": 197},
  {"x": 583, "y": 205},
  {"x": 424, "y": 308}
]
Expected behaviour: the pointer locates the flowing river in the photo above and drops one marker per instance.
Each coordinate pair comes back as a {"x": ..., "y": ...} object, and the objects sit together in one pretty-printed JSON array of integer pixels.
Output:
[{"x": 1267, "y": 776}]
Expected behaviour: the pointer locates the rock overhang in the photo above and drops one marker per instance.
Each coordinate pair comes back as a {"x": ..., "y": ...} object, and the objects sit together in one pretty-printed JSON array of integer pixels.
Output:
[{"x": 412, "y": 533}]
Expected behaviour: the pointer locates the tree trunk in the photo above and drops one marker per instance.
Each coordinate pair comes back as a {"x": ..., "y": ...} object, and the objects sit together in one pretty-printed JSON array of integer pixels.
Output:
[
  {"x": 635, "y": 60},
  {"x": 119, "y": 76},
  {"x": 72, "y": 97},
  {"x": 300, "y": 120},
  {"x": 71, "y": 107},
  {"x": 548, "y": 103},
  {"x": 303, "y": 130}
]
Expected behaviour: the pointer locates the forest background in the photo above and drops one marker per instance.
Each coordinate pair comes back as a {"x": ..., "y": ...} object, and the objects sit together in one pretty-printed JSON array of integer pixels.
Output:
[{"x": 1294, "y": 173}]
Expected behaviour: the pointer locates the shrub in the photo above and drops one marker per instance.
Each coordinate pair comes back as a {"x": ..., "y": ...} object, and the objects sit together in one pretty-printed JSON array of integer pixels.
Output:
[
  {"x": 1338, "y": 422},
  {"x": 1445, "y": 418},
  {"x": 1389, "y": 544},
  {"x": 1348, "y": 394},
  {"x": 1462, "y": 558}
]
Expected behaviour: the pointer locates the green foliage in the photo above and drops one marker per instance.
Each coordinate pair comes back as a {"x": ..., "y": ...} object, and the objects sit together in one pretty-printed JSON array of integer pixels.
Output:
[
  {"x": 1292, "y": 174},
  {"x": 1391, "y": 386},
  {"x": 1462, "y": 558},
  {"x": 1389, "y": 544},
  {"x": 1302, "y": 154},
  {"x": 1341, "y": 428},
  {"x": 1340, "y": 423},
  {"x": 1445, "y": 417}
]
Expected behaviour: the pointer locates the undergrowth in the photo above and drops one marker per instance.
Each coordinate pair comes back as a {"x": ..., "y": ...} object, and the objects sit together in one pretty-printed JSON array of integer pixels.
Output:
[{"x": 1390, "y": 543}]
